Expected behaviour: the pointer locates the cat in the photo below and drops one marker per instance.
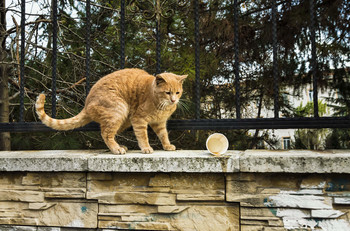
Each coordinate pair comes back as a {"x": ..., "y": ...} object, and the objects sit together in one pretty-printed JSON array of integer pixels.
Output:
[{"x": 128, "y": 97}]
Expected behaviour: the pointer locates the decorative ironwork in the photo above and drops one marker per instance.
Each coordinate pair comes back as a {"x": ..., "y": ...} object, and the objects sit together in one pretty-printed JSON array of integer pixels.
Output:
[{"x": 157, "y": 9}]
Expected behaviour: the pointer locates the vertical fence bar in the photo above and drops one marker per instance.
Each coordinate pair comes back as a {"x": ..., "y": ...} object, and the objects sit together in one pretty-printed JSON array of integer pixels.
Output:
[
  {"x": 313, "y": 56},
  {"x": 158, "y": 45},
  {"x": 158, "y": 58},
  {"x": 274, "y": 59},
  {"x": 122, "y": 34},
  {"x": 87, "y": 45},
  {"x": 197, "y": 61},
  {"x": 21, "y": 68},
  {"x": 236, "y": 47},
  {"x": 54, "y": 57}
]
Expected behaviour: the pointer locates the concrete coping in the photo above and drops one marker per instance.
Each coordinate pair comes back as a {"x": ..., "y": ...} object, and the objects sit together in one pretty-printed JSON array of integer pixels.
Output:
[{"x": 192, "y": 161}]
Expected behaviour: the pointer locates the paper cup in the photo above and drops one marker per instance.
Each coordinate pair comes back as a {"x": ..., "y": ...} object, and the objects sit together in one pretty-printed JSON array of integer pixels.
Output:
[{"x": 217, "y": 144}]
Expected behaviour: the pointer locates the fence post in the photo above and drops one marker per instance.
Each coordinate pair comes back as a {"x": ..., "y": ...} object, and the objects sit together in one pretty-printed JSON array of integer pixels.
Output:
[
  {"x": 197, "y": 59},
  {"x": 5, "y": 139},
  {"x": 21, "y": 69},
  {"x": 87, "y": 45},
  {"x": 122, "y": 34},
  {"x": 274, "y": 59},
  {"x": 54, "y": 57},
  {"x": 236, "y": 47},
  {"x": 313, "y": 57}
]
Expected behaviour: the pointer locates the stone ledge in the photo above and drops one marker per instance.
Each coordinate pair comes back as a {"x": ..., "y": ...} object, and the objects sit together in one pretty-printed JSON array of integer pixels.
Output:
[
  {"x": 101, "y": 161},
  {"x": 196, "y": 161},
  {"x": 296, "y": 161}
]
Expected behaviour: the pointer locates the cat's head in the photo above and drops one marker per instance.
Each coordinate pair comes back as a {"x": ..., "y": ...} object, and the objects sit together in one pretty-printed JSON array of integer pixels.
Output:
[{"x": 168, "y": 88}]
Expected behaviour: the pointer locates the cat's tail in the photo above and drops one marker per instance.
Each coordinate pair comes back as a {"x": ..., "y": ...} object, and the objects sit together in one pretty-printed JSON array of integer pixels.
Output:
[{"x": 60, "y": 124}]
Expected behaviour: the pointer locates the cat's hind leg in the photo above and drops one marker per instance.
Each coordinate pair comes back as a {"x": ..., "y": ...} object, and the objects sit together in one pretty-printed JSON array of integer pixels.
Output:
[
  {"x": 111, "y": 120},
  {"x": 108, "y": 132}
]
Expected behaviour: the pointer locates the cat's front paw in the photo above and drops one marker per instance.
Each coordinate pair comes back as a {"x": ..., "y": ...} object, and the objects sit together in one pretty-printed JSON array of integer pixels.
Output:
[
  {"x": 169, "y": 147},
  {"x": 120, "y": 150},
  {"x": 147, "y": 150},
  {"x": 123, "y": 146}
]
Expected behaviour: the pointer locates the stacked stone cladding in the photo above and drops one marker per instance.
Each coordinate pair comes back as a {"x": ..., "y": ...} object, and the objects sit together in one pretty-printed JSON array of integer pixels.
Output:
[{"x": 246, "y": 191}]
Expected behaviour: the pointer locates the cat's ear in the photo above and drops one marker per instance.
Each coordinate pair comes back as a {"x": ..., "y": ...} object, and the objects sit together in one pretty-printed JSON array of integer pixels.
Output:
[
  {"x": 159, "y": 80},
  {"x": 182, "y": 78}
]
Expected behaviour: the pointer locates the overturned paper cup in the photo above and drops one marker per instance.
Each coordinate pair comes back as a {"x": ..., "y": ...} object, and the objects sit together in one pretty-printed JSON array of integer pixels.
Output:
[{"x": 217, "y": 144}]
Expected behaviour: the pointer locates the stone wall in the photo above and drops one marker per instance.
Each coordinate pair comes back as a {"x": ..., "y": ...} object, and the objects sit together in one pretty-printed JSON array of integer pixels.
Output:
[
  {"x": 136, "y": 201},
  {"x": 183, "y": 190},
  {"x": 279, "y": 202}
]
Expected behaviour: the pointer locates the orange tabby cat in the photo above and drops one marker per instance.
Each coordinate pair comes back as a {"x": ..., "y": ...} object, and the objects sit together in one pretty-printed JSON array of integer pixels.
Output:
[{"x": 129, "y": 97}]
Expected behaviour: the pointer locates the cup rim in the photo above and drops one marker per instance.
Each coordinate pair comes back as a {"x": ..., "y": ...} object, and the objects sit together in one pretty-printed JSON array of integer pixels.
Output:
[{"x": 222, "y": 135}]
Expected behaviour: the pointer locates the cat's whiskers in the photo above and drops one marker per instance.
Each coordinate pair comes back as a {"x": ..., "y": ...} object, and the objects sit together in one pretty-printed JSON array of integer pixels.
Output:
[
  {"x": 185, "y": 108},
  {"x": 161, "y": 106}
]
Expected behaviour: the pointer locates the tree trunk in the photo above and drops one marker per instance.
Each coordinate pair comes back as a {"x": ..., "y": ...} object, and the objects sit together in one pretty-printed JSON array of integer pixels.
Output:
[
  {"x": 255, "y": 139},
  {"x": 5, "y": 142}
]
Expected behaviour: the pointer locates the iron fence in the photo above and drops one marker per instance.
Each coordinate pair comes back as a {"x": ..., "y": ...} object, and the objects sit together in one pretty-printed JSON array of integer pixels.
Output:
[{"x": 197, "y": 123}]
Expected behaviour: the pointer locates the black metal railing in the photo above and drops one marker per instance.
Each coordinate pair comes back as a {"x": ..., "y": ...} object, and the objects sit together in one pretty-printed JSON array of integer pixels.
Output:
[{"x": 196, "y": 123}]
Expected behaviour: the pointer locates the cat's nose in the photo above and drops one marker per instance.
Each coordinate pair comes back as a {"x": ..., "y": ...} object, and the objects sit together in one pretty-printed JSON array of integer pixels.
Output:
[{"x": 173, "y": 100}]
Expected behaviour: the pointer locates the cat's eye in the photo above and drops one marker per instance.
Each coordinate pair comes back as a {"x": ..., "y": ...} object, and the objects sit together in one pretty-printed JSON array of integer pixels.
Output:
[
  {"x": 177, "y": 93},
  {"x": 168, "y": 92}
]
